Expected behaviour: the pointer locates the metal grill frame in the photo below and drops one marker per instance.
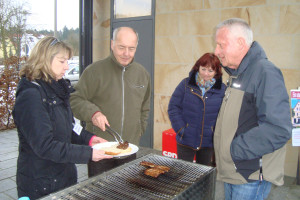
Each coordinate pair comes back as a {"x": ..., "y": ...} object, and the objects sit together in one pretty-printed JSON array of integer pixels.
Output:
[{"x": 202, "y": 187}]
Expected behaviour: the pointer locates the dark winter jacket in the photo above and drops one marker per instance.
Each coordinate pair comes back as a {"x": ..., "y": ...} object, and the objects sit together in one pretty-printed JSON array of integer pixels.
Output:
[
  {"x": 195, "y": 114},
  {"x": 253, "y": 123},
  {"x": 46, "y": 153}
]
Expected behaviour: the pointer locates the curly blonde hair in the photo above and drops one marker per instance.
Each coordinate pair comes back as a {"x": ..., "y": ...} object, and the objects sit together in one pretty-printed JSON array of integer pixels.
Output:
[{"x": 38, "y": 65}]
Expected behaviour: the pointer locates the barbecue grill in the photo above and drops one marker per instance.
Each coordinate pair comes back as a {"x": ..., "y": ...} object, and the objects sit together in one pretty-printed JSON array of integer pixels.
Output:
[{"x": 185, "y": 180}]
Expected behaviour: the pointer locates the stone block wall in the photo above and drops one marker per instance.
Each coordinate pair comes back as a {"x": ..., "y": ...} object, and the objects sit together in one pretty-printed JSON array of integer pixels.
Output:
[{"x": 101, "y": 29}]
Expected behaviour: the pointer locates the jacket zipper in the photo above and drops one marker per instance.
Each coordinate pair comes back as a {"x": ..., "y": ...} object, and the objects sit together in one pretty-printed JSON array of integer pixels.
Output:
[
  {"x": 229, "y": 85},
  {"x": 203, "y": 99},
  {"x": 123, "y": 101},
  {"x": 192, "y": 90}
]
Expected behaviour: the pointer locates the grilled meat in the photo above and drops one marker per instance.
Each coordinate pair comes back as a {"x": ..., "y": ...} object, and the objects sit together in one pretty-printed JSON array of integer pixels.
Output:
[
  {"x": 154, "y": 170},
  {"x": 147, "y": 164},
  {"x": 163, "y": 168}
]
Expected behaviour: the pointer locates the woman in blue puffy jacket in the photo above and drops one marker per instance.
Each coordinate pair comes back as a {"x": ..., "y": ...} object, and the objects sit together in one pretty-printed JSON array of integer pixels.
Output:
[{"x": 194, "y": 107}]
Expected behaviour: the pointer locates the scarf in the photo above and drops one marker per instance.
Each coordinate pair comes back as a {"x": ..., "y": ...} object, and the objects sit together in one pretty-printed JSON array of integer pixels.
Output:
[
  {"x": 204, "y": 85},
  {"x": 62, "y": 89}
]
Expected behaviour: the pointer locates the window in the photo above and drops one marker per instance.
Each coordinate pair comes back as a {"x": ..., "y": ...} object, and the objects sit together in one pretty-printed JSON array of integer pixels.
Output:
[{"x": 132, "y": 8}]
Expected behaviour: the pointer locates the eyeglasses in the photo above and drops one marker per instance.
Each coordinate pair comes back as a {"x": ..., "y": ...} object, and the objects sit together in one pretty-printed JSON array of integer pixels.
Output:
[{"x": 54, "y": 42}]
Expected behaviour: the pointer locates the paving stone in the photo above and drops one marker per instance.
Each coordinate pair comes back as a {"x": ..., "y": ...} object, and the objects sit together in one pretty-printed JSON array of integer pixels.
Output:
[
  {"x": 84, "y": 178},
  {"x": 8, "y": 163},
  {"x": 13, "y": 179},
  {"x": 9, "y": 156},
  {"x": 5, "y": 197},
  {"x": 12, "y": 193},
  {"x": 9, "y": 150},
  {"x": 7, "y": 184},
  {"x": 4, "y": 143},
  {"x": 219, "y": 194},
  {"x": 7, "y": 173},
  {"x": 82, "y": 171}
]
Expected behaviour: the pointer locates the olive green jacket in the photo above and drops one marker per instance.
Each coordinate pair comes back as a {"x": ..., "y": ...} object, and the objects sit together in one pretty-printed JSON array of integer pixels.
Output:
[{"x": 122, "y": 94}]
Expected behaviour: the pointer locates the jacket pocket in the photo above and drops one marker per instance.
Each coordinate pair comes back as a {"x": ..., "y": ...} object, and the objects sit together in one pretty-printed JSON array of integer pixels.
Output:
[
  {"x": 180, "y": 133},
  {"x": 247, "y": 167},
  {"x": 137, "y": 92}
]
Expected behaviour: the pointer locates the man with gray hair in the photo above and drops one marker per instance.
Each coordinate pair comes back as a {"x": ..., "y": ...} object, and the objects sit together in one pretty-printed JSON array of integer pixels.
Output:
[
  {"x": 114, "y": 92},
  {"x": 254, "y": 123}
]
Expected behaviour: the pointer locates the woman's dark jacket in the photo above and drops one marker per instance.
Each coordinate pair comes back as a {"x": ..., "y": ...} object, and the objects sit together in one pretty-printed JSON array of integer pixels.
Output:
[
  {"x": 192, "y": 116},
  {"x": 48, "y": 148}
]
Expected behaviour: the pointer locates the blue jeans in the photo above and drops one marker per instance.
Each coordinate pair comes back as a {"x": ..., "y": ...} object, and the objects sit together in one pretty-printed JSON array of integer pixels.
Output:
[{"x": 249, "y": 191}]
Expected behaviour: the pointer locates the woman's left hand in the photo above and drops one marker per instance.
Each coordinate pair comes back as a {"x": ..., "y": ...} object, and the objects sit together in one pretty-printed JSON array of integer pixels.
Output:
[{"x": 96, "y": 140}]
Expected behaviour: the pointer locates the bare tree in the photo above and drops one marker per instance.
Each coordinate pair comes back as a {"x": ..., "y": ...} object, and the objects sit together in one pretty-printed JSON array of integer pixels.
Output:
[
  {"x": 18, "y": 27},
  {"x": 12, "y": 26},
  {"x": 5, "y": 15}
]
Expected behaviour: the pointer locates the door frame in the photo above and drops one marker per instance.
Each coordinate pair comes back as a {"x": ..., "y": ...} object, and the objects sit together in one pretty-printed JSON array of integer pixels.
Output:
[{"x": 86, "y": 34}]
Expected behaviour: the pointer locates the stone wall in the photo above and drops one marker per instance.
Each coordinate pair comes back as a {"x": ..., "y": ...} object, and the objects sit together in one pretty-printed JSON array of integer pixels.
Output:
[
  {"x": 183, "y": 32},
  {"x": 101, "y": 29}
]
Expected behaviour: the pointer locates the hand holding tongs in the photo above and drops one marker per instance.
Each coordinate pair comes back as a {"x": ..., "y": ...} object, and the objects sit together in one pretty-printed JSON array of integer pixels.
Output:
[{"x": 114, "y": 134}]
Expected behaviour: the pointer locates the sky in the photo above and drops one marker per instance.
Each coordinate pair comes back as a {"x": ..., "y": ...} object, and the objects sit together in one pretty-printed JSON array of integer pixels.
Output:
[{"x": 42, "y": 14}]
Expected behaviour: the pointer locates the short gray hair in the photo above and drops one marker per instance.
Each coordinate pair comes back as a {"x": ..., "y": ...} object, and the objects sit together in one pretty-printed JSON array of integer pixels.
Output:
[
  {"x": 237, "y": 25},
  {"x": 116, "y": 31}
]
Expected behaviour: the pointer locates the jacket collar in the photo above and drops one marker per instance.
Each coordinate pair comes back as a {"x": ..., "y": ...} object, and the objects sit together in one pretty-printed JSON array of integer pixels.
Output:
[
  {"x": 25, "y": 83},
  {"x": 192, "y": 81},
  {"x": 118, "y": 64}
]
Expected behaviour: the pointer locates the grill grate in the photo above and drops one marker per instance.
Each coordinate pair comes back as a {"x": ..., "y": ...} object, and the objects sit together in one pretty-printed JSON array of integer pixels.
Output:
[{"x": 185, "y": 180}]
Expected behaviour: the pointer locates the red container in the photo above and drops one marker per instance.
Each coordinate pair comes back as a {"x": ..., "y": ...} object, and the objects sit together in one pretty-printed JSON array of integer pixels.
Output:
[{"x": 169, "y": 146}]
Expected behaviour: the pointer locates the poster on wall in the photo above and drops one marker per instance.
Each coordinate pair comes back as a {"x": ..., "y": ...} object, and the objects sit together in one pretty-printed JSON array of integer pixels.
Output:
[{"x": 295, "y": 106}]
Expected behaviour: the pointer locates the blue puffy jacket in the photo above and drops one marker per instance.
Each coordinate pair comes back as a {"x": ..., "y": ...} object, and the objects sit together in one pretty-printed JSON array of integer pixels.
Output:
[{"x": 192, "y": 116}]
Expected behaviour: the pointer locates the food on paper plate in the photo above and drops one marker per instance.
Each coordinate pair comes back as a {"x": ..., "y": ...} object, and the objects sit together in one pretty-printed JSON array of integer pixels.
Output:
[
  {"x": 114, "y": 150},
  {"x": 154, "y": 170}
]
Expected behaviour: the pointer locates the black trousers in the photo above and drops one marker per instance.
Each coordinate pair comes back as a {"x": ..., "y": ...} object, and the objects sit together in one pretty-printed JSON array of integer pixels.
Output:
[
  {"x": 95, "y": 168},
  {"x": 204, "y": 156}
]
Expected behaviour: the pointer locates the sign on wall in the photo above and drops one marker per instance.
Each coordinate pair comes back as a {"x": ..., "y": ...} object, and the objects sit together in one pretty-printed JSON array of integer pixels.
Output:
[{"x": 295, "y": 106}]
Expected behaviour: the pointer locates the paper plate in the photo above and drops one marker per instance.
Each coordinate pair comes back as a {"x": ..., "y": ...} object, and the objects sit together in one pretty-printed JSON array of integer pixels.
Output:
[{"x": 134, "y": 148}]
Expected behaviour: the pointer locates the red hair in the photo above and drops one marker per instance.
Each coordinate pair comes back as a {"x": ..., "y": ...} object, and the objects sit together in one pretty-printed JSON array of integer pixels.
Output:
[{"x": 209, "y": 60}]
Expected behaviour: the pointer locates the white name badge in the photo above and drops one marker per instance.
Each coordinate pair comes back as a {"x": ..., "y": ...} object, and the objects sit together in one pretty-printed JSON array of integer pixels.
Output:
[{"x": 77, "y": 128}]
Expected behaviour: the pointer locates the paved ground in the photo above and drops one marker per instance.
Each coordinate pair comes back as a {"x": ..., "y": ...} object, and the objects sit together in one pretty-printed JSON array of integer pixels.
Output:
[{"x": 8, "y": 160}]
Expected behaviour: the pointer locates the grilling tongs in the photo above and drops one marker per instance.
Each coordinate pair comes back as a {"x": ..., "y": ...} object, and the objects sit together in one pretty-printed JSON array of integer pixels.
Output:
[{"x": 114, "y": 134}]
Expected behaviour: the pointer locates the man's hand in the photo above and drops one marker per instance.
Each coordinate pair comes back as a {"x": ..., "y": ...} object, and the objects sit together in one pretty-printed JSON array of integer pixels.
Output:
[
  {"x": 99, "y": 120},
  {"x": 99, "y": 155}
]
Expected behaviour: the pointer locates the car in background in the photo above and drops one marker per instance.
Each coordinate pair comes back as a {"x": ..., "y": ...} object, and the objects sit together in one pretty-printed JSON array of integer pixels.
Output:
[
  {"x": 1, "y": 68},
  {"x": 73, "y": 73}
]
